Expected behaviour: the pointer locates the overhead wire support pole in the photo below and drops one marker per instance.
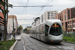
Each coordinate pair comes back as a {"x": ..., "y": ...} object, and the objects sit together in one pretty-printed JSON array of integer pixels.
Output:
[{"x": 35, "y": 6}]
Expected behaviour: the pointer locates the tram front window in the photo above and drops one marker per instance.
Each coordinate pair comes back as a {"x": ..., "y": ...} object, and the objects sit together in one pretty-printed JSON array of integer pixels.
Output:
[{"x": 56, "y": 29}]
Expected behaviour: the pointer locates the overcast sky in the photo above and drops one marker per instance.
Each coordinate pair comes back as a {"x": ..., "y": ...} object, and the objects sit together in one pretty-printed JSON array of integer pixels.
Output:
[{"x": 33, "y": 12}]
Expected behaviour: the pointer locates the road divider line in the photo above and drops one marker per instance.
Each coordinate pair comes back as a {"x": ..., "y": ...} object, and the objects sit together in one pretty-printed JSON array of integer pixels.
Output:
[{"x": 23, "y": 43}]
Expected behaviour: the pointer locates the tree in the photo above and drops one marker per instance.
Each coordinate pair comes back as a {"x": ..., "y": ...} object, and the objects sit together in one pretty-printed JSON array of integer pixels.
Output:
[
  {"x": 20, "y": 28},
  {"x": 5, "y": 11},
  {"x": 10, "y": 5},
  {"x": 25, "y": 30}
]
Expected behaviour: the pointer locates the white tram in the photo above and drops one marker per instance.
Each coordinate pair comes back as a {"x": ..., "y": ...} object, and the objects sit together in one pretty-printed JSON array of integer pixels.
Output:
[{"x": 49, "y": 31}]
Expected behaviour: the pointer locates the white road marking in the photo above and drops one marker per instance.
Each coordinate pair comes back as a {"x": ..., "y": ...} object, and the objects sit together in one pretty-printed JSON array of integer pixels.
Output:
[{"x": 23, "y": 44}]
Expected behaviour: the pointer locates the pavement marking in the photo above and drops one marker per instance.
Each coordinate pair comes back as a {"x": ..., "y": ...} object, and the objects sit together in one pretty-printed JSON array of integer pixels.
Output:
[{"x": 23, "y": 44}]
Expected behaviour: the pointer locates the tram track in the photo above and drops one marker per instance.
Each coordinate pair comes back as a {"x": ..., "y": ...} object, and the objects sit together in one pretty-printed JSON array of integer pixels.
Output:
[
  {"x": 25, "y": 44},
  {"x": 41, "y": 45},
  {"x": 33, "y": 43}
]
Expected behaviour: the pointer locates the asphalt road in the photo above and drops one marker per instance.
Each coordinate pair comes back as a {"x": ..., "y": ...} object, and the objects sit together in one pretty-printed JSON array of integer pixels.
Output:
[{"x": 33, "y": 44}]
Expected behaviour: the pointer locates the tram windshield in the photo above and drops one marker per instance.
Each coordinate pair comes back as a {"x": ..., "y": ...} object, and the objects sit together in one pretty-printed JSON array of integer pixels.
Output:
[{"x": 56, "y": 29}]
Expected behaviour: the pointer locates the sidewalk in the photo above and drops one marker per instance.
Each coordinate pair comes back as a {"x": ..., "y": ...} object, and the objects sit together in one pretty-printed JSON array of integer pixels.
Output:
[{"x": 19, "y": 45}]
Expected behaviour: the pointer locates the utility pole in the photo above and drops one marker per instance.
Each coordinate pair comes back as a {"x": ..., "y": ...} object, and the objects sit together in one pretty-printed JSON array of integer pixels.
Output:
[
  {"x": 9, "y": 28},
  {"x": 13, "y": 28}
]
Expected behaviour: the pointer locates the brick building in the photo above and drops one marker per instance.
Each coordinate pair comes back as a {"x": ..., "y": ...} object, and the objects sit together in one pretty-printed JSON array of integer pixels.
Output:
[{"x": 67, "y": 17}]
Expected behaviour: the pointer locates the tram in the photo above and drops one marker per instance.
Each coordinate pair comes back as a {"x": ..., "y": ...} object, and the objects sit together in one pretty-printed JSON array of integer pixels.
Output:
[{"x": 48, "y": 31}]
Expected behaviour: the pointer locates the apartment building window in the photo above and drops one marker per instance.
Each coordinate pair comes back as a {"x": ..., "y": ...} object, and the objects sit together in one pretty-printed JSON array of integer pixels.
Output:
[
  {"x": 68, "y": 17},
  {"x": 1, "y": 11},
  {"x": 48, "y": 13},
  {"x": 55, "y": 13},
  {"x": 68, "y": 22},
  {"x": 48, "y": 17},
  {"x": 68, "y": 14},
  {"x": 51, "y": 13},
  {"x": 65, "y": 17},
  {"x": 73, "y": 21},
  {"x": 68, "y": 26},
  {"x": 73, "y": 25},
  {"x": 60, "y": 17},
  {"x": 52, "y": 17},
  {"x": 1, "y": 20}
]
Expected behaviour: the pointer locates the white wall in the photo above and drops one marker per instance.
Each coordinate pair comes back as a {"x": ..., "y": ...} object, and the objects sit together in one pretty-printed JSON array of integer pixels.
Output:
[{"x": 10, "y": 25}]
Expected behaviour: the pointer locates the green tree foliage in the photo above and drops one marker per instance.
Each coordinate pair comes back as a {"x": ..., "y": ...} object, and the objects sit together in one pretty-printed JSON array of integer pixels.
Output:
[
  {"x": 25, "y": 30},
  {"x": 10, "y": 5},
  {"x": 20, "y": 28}
]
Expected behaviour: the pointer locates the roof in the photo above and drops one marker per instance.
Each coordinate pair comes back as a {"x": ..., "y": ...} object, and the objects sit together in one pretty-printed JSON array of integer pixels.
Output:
[{"x": 12, "y": 16}]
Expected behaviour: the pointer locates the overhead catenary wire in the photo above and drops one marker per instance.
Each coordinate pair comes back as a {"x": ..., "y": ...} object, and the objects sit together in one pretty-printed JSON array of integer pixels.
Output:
[
  {"x": 24, "y": 8},
  {"x": 35, "y": 6},
  {"x": 27, "y": 5},
  {"x": 44, "y": 6}
]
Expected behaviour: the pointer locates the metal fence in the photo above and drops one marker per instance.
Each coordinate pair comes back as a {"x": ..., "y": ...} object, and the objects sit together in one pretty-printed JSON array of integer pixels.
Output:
[{"x": 69, "y": 34}]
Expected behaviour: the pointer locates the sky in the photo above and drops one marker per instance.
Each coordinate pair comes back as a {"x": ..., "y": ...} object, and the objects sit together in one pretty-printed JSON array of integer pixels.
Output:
[{"x": 33, "y": 12}]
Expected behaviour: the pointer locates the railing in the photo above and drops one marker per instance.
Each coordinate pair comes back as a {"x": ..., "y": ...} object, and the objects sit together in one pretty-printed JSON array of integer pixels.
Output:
[{"x": 69, "y": 34}]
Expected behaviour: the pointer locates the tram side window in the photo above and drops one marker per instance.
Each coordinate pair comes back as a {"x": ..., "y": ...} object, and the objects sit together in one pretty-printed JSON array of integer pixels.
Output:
[{"x": 46, "y": 30}]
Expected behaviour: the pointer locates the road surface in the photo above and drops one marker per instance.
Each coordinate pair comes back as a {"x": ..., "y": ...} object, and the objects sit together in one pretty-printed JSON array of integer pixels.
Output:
[{"x": 33, "y": 44}]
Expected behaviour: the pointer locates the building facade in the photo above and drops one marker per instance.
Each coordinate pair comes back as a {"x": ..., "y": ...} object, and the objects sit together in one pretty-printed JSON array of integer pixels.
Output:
[
  {"x": 67, "y": 17},
  {"x": 48, "y": 15},
  {"x": 12, "y": 21}
]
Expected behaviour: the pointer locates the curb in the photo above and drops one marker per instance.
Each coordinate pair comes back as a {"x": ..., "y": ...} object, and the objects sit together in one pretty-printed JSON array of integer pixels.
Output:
[
  {"x": 69, "y": 42},
  {"x": 12, "y": 47}
]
